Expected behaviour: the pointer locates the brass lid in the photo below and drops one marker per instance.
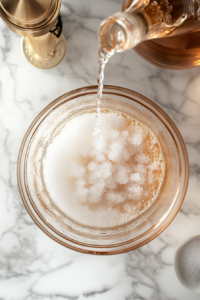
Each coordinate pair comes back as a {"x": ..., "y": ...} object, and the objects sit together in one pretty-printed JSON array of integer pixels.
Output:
[{"x": 32, "y": 17}]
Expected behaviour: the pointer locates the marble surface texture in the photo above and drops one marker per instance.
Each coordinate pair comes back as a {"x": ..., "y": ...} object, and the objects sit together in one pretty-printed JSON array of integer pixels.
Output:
[{"x": 32, "y": 266}]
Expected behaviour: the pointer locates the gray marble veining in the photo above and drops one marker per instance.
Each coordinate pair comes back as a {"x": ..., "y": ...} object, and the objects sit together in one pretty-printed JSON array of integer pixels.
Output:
[{"x": 32, "y": 266}]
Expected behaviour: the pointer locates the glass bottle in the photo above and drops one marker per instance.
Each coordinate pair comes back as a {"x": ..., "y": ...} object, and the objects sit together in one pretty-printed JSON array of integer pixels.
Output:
[{"x": 164, "y": 32}]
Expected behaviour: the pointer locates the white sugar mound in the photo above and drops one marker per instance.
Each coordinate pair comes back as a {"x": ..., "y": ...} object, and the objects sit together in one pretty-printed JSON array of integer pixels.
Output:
[
  {"x": 101, "y": 175},
  {"x": 189, "y": 261}
]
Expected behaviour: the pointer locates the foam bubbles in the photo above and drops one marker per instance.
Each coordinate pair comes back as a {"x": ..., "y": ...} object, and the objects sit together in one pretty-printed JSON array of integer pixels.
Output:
[
  {"x": 114, "y": 197},
  {"x": 103, "y": 174},
  {"x": 136, "y": 177},
  {"x": 81, "y": 191},
  {"x": 122, "y": 175},
  {"x": 137, "y": 137},
  {"x": 115, "y": 150},
  {"x": 142, "y": 158},
  {"x": 135, "y": 191},
  {"x": 76, "y": 170},
  {"x": 92, "y": 166}
]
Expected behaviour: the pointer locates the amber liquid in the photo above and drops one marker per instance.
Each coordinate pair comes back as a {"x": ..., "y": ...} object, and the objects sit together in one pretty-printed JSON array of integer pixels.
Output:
[
  {"x": 177, "y": 52},
  {"x": 181, "y": 48}
]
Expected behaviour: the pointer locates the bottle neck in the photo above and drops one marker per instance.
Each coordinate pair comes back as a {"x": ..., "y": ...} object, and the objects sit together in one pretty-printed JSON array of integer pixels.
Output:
[{"x": 122, "y": 31}]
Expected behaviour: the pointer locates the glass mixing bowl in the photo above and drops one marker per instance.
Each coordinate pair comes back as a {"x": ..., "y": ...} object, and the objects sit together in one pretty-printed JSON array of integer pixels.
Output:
[{"x": 116, "y": 239}]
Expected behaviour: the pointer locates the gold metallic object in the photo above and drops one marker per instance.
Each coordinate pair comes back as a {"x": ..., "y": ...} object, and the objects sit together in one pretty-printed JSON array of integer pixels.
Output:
[
  {"x": 39, "y": 56},
  {"x": 38, "y": 21}
]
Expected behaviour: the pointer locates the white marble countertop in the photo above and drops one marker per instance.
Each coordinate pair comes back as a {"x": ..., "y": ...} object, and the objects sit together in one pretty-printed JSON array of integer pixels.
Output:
[{"x": 32, "y": 266}]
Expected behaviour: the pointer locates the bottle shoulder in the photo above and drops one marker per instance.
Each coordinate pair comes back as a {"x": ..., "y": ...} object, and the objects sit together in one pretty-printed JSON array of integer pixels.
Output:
[{"x": 166, "y": 17}]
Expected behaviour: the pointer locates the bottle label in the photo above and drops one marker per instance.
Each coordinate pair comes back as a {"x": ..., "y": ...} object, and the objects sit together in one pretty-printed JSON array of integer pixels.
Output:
[{"x": 57, "y": 29}]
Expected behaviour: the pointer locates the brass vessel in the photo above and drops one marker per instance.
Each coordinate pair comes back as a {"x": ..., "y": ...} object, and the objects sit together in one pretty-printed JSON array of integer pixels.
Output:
[{"x": 40, "y": 24}]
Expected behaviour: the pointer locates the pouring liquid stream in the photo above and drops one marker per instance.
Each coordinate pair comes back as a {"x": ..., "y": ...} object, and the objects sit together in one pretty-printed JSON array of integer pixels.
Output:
[
  {"x": 104, "y": 56},
  {"x": 109, "y": 45}
]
